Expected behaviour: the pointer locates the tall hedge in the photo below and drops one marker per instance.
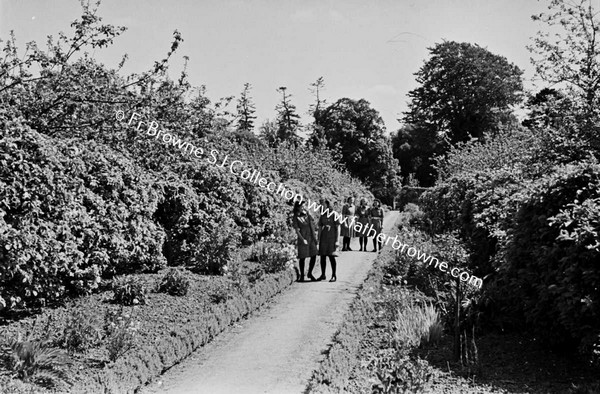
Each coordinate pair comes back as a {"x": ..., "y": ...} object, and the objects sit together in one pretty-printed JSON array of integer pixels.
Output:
[
  {"x": 551, "y": 275},
  {"x": 531, "y": 223},
  {"x": 85, "y": 196},
  {"x": 69, "y": 217}
]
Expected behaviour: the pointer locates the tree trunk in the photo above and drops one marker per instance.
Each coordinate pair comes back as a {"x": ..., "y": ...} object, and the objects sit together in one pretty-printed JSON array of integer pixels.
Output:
[{"x": 457, "y": 323}]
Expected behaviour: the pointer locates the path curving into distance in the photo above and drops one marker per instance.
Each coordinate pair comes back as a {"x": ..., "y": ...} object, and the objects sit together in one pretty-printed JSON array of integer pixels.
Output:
[{"x": 276, "y": 349}]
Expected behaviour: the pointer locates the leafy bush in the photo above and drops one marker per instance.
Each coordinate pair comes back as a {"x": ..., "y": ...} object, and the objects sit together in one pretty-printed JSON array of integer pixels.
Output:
[
  {"x": 120, "y": 333},
  {"x": 86, "y": 280},
  {"x": 551, "y": 258},
  {"x": 409, "y": 195},
  {"x": 82, "y": 331},
  {"x": 174, "y": 282},
  {"x": 514, "y": 149},
  {"x": 418, "y": 275},
  {"x": 216, "y": 249},
  {"x": 129, "y": 290},
  {"x": 481, "y": 186},
  {"x": 413, "y": 216},
  {"x": 401, "y": 374},
  {"x": 220, "y": 291}
]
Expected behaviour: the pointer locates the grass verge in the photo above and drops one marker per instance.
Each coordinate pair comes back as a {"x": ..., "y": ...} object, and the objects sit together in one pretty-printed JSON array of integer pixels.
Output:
[{"x": 337, "y": 371}]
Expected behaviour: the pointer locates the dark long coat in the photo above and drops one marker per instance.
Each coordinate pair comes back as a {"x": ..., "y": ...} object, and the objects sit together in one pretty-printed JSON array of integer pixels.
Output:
[
  {"x": 362, "y": 212},
  {"x": 348, "y": 226},
  {"x": 329, "y": 234},
  {"x": 306, "y": 225}
]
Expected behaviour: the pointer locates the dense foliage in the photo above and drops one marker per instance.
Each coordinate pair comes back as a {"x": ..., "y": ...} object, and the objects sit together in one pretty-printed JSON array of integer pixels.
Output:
[
  {"x": 552, "y": 257},
  {"x": 415, "y": 148},
  {"x": 528, "y": 214},
  {"x": 525, "y": 200},
  {"x": 464, "y": 92},
  {"x": 85, "y": 197},
  {"x": 355, "y": 130}
]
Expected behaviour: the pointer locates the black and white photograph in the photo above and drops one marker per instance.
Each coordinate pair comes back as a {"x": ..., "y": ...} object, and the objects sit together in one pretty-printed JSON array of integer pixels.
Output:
[{"x": 299, "y": 196}]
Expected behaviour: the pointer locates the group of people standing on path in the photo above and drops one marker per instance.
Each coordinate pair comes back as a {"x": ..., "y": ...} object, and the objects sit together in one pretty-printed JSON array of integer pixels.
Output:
[{"x": 322, "y": 237}]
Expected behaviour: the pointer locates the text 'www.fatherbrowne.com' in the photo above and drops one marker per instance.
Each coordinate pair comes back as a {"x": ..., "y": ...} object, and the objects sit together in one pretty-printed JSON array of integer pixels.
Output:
[{"x": 238, "y": 168}]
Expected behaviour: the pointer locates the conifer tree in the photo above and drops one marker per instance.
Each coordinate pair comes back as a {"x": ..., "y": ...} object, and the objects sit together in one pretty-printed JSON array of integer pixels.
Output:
[
  {"x": 246, "y": 110},
  {"x": 288, "y": 120}
]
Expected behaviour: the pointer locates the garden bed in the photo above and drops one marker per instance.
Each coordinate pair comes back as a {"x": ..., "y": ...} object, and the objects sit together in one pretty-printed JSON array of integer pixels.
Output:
[{"x": 167, "y": 329}]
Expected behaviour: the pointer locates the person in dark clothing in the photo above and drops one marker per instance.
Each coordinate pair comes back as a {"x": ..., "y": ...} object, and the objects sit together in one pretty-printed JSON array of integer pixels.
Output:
[
  {"x": 304, "y": 225},
  {"x": 376, "y": 215},
  {"x": 362, "y": 212},
  {"x": 329, "y": 232},
  {"x": 347, "y": 226}
]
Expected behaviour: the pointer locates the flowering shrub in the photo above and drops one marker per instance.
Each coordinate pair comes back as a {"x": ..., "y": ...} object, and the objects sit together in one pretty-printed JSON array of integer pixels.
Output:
[
  {"x": 120, "y": 332},
  {"x": 62, "y": 228},
  {"x": 273, "y": 255},
  {"x": 129, "y": 290},
  {"x": 83, "y": 197}
]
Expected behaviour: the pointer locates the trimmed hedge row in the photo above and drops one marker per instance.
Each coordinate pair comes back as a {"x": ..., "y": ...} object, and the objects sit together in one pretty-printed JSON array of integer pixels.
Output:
[{"x": 131, "y": 372}]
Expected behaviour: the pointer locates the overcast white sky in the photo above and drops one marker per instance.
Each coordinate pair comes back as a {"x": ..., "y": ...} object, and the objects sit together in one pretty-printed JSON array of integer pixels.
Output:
[{"x": 363, "y": 49}]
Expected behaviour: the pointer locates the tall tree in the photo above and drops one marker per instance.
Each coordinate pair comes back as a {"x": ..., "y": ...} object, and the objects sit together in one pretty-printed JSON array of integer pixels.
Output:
[
  {"x": 317, "y": 134},
  {"x": 245, "y": 110},
  {"x": 464, "y": 91},
  {"x": 415, "y": 148},
  {"x": 288, "y": 120},
  {"x": 570, "y": 55},
  {"x": 356, "y": 130},
  {"x": 316, "y": 88}
]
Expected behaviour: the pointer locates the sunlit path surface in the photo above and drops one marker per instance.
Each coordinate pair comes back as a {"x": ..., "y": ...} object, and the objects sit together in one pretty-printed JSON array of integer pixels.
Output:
[{"x": 277, "y": 348}]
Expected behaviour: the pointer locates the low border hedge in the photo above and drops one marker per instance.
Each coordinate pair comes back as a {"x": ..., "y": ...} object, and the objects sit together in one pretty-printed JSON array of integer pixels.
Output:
[
  {"x": 179, "y": 331},
  {"x": 134, "y": 370}
]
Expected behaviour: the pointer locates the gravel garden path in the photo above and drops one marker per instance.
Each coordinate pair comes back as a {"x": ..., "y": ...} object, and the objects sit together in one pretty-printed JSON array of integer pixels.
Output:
[{"x": 276, "y": 349}]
